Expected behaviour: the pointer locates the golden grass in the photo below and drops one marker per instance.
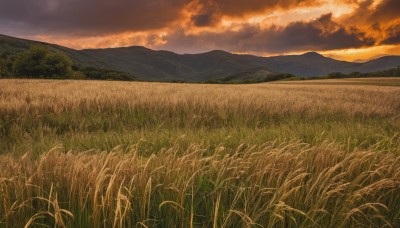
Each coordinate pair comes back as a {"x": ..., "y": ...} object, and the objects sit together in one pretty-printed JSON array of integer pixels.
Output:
[
  {"x": 269, "y": 185},
  {"x": 219, "y": 176},
  {"x": 269, "y": 99},
  {"x": 382, "y": 81}
]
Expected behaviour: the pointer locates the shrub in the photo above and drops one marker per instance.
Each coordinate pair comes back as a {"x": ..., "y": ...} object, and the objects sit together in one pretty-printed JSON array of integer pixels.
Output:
[{"x": 40, "y": 62}]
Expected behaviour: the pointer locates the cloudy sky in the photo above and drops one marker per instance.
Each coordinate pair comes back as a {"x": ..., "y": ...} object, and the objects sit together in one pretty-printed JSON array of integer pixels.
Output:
[{"x": 343, "y": 29}]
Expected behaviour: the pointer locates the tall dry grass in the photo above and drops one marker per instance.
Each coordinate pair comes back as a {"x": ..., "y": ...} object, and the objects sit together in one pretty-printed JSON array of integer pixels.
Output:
[
  {"x": 290, "y": 185},
  {"x": 195, "y": 101},
  {"x": 218, "y": 155},
  {"x": 40, "y": 114}
]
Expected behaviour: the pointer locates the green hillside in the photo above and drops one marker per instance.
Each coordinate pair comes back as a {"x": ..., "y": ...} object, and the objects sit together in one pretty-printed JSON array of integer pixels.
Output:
[{"x": 139, "y": 63}]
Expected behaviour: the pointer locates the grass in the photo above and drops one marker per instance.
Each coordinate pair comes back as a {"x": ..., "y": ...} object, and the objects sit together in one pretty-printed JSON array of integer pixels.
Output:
[
  {"x": 353, "y": 81},
  {"x": 119, "y": 154}
]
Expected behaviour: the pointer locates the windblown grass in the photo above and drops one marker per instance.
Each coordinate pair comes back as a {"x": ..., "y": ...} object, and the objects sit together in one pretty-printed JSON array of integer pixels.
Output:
[
  {"x": 116, "y": 154},
  {"x": 38, "y": 115},
  {"x": 291, "y": 185}
]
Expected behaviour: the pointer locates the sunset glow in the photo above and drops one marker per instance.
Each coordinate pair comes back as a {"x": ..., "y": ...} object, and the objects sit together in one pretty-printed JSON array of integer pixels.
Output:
[{"x": 344, "y": 29}]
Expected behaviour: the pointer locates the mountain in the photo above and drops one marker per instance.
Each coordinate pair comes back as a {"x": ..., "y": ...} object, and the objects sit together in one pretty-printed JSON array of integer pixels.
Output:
[
  {"x": 165, "y": 65},
  {"x": 151, "y": 65},
  {"x": 312, "y": 64},
  {"x": 382, "y": 63}
]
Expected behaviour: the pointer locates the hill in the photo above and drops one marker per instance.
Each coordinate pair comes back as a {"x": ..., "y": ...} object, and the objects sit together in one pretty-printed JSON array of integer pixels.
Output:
[
  {"x": 167, "y": 66},
  {"x": 312, "y": 64},
  {"x": 150, "y": 65}
]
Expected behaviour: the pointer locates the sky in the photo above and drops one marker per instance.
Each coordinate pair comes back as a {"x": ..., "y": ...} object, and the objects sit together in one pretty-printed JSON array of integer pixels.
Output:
[{"x": 352, "y": 30}]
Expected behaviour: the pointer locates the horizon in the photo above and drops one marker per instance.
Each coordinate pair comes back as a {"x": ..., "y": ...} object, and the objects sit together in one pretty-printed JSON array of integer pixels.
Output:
[
  {"x": 198, "y": 53},
  {"x": 350, "y": 30}
]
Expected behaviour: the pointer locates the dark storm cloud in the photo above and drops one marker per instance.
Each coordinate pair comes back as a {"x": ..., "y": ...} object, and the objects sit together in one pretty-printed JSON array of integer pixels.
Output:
[
  {"x": 367, "y": 13},
  {"x": 166, "y": 24},
  {"x": 381, "y": 19},
  {"x": 392, "y": 35},
  {"x": 205, "y": 13},
  {"x": 88, "y": 17},
  {"x": 387, "y": 10},
  {"x": 100, "y": 17},
  {"x": 203, "y": 19},
  {"x": 320, "y": 34},
  {"x": 208, "y": 12}
]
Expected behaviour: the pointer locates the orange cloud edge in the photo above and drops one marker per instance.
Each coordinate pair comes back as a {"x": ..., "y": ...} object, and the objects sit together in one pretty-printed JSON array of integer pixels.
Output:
[{"x": 155, "y": 39}]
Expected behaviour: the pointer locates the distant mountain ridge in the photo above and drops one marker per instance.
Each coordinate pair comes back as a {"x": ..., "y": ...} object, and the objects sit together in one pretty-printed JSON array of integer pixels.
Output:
[{"x": 151, "y": 65}]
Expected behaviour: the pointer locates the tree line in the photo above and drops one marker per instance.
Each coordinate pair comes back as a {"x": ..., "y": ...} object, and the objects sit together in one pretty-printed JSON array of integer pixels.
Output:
[
  {"x": 42, "y": 62},
  {"x": 394, "y": 72}
]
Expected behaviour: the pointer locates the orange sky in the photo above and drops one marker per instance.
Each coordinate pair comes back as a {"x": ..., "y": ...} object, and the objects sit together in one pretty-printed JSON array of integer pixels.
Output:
[{"x": 353, "y": 30}]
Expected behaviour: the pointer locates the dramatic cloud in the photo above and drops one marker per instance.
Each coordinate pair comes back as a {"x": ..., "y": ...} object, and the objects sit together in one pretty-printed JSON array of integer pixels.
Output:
[
  {"x": 89, "y": 17},
  {"x": 204, "y": 13},
  {"x": 392, "y": 35},
  {"x": 386, "y": 18},
  {"x": 239, "y": 7},
  {"x": 316, "y": 35},
  {"x": 375, "y": 16},
  {"x": 186, "y": 26},
  {"x": 385, "y": 10}
]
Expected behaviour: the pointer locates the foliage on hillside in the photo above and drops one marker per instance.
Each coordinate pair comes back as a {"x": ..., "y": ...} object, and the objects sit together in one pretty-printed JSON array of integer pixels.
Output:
[
  {"x": 250, "y": 80},
  {"x": 394, "y": 72},
  {"x": 102, "y": 74},
  {"x": 40, "y": 61}
]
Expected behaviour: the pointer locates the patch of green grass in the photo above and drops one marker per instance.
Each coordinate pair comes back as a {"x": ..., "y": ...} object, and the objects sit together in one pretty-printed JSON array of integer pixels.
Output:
[{"x": 105, "y": 131}]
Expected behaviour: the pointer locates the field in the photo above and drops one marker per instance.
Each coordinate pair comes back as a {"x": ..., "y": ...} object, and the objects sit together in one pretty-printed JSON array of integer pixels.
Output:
[{"x": 321, "y": 153}]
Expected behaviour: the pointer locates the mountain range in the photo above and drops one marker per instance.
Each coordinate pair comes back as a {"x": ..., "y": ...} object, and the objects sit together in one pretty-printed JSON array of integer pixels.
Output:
[{"x": 150, "y": 65}]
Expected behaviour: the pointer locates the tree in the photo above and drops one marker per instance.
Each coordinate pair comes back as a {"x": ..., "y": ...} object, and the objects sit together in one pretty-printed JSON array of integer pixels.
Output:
[
  {"x": 3, "y": 67},
  {"x": 337, "y": 75},
  {"x": 5, "y": 64},
  {"x": 40, "y": 62},
  {"x": 355, "y": 74},
  {"x": 57, "y": 65}
]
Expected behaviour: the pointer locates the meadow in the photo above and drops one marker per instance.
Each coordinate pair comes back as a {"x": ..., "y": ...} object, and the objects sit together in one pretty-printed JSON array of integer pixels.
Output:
[{"x": 321, "y": 153}]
